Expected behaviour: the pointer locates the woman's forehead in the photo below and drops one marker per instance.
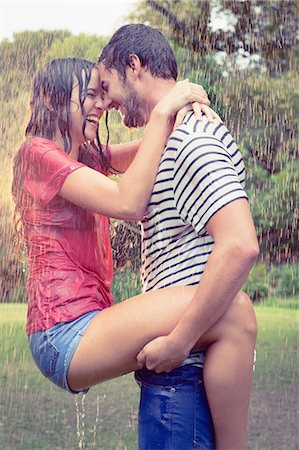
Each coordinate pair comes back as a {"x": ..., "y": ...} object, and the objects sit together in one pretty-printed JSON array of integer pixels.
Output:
[{"x": 94, "y": 81}]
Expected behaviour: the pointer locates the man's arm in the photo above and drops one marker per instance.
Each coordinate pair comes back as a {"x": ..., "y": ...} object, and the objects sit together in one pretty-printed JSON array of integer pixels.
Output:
[
  {"x": 234, "y": 253},
  {"x": 210, "y": 197}
]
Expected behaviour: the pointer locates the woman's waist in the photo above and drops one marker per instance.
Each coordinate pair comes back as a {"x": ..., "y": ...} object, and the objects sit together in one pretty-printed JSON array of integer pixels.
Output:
[
  {"x": 57, "y": 263},
  {"x": 65, "y": 275}
]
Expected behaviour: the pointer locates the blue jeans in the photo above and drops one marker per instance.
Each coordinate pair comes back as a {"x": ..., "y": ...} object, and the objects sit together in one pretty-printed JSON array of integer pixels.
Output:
[{"x": 174, "y": 413}]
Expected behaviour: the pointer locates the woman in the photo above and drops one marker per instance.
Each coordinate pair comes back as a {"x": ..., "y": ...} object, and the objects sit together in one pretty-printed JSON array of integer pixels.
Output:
[{"x": 63, "y": 196}]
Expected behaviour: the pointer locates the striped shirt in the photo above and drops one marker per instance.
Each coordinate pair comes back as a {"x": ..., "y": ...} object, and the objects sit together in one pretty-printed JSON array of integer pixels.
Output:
[{"x": 201, "y": 171}]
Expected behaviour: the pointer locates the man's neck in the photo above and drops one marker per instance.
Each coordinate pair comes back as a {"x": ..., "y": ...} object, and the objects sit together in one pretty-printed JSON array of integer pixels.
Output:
[{"x": 157, "y": 88}]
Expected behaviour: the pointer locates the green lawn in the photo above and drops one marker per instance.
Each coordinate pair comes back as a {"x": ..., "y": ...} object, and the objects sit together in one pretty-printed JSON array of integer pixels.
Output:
[{"x": 34, "y": 414}]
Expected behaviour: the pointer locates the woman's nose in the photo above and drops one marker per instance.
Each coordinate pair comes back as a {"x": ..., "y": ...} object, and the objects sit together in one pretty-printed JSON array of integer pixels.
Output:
[{"x": 99, "y": 104}]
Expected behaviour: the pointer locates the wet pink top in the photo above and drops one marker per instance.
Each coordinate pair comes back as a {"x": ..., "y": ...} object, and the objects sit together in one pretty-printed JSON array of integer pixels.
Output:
[{"x": 69, "y": 252}]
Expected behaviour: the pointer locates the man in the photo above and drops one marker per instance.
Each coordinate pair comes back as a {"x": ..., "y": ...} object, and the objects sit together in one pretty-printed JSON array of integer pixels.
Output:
[{"x": 192, "y": 233}]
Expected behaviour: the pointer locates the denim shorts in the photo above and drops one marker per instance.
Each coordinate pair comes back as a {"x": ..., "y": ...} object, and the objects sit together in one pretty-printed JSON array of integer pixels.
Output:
[
  {"x": 174, "y": 413},
  {"x": 53, "y": 349}
]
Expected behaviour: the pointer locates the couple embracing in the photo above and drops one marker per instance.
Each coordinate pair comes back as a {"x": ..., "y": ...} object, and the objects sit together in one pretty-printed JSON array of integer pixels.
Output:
[{"x": 190, "y": 336}]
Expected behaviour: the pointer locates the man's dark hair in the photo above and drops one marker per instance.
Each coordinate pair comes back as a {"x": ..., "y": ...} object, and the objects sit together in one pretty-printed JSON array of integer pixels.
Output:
[{"x": 147, "y": 43}]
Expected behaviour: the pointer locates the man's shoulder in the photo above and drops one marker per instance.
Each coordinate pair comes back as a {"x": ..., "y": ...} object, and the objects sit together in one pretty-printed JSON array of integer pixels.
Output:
[
  {"x": 201, "y": 134},
  {"x": 193, "y": 127}
]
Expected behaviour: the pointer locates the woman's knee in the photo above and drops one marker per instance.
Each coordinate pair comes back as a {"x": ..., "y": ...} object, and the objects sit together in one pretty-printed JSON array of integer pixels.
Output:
[{"x": 243, "y": 314}]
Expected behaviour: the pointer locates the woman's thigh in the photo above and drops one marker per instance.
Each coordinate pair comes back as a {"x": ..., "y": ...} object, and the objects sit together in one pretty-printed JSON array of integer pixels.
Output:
[{"x": 113, "y": 338}]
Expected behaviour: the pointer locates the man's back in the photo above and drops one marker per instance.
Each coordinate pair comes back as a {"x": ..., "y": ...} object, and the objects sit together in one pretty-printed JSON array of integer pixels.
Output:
[{"x": 201, "y": 170}]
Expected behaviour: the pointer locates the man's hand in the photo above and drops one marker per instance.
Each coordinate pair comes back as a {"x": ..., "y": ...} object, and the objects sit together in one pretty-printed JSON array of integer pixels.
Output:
[{"x": 162, "y": 354}]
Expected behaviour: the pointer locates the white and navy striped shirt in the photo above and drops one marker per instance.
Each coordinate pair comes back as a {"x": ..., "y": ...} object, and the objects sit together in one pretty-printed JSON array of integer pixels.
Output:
[{"x": 201, "y": 171}]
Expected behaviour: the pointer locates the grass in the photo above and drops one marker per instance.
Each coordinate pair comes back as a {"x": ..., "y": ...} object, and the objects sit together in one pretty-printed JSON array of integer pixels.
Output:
[{"x": 37, "y": 415}]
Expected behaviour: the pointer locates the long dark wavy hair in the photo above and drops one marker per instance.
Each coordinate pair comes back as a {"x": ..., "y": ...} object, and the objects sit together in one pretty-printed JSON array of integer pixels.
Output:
[
  {"x": 50, "y": 102},
  {"x": 50, "y": 105}
]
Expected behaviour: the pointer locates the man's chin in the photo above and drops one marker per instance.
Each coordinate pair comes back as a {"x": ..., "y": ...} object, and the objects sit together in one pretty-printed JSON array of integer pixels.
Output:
[{"x": 131, "y": 122}]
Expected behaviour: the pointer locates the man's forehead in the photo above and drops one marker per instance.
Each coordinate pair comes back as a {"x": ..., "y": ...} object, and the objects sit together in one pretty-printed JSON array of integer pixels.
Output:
[{"x": 106, "y": 73}]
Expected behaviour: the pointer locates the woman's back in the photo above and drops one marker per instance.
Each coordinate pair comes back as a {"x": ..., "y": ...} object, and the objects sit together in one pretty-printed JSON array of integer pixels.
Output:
[{"x": 69, "y": 252}]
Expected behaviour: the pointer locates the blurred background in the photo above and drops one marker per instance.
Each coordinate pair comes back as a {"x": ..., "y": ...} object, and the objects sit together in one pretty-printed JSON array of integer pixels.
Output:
[{"x": 245, "y": 54}]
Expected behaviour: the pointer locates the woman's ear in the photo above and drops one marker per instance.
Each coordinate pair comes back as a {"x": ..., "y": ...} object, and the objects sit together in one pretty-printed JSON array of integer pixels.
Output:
[{"x": 48, "y": 105}]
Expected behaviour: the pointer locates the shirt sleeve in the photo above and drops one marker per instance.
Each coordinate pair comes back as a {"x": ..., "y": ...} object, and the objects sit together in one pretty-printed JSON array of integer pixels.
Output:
[
  {"x": 47, "y": 167},
  {"x": 205, "y": 180}
]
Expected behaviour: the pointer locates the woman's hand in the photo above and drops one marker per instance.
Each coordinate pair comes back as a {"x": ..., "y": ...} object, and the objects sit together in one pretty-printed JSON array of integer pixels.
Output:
[
  {"x": 162, "y": 354},
  {"x": 183, "y": 93},
  {"x": 199, "y": 109}
]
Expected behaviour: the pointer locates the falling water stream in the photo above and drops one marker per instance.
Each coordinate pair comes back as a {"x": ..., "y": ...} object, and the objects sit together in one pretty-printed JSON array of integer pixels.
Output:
[{"x": 86, "y": 436}]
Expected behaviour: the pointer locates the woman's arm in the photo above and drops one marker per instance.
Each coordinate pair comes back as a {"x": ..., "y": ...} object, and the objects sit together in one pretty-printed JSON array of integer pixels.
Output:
[
  {"x": 122, "y": 155},
  {"x": 128, "y": 199}
]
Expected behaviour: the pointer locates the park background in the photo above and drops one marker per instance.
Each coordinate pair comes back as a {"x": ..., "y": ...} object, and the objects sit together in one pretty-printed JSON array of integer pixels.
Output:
[{"x": 249, "y": 67}]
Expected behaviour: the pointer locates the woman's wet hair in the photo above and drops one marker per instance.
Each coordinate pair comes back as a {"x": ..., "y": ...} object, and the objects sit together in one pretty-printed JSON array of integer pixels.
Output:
[
  {"x": 148, "y": 44},
  {"x": 50, "y": 107},
  {"x": 50, "y": 102}
]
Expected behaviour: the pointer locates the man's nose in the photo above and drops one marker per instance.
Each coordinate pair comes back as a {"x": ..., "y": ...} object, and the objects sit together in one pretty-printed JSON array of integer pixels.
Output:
[{"x": 107, "y": 103}]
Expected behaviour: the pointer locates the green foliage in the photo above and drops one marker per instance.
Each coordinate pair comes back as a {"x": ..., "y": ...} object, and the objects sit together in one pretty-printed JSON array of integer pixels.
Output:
[
  {"x": 284, "y": 280},
  {"x": 126, "y": 284},
  {"x": 257, "y": 284},
  {"x": 274, "y": 206},
  {"x": 27, "y": 48},
  {"x": 81, "y": 46},
  {"x": 260, "y": 107},
  {"x": 274, "y": 281},
  {"x": 269, "y": 108},
  {"x": 267, "y": 29}
]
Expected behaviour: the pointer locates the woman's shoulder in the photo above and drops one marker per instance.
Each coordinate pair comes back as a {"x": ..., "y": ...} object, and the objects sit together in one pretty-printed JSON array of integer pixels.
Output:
[
  {"x": 41, "y": 145},
  {"x": 40, "y": 150}
]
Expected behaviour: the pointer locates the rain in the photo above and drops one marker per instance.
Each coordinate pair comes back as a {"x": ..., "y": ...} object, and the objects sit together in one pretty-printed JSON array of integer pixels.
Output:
[{"x": 245, "y": 54}]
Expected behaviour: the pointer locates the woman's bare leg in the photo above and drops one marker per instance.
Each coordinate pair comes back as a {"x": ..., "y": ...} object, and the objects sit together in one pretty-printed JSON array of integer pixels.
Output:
[
  {"x": 115, "y": 336},
  {"x": 228, "y": 372}
]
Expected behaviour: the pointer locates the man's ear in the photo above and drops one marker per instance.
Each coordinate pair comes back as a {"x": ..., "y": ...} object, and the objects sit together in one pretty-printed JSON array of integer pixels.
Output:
[{"x": 134, "y": 66}]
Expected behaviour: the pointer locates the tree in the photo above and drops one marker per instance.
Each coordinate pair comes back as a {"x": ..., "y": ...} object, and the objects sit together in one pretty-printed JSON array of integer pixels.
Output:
[
  {"x": 248, "y": 63},
  {"x": 20, "y": 58},
  {"x": 27, "y": 48},
  {"x": 81, "y": 46},
  {"x": 267, "y": 28}
]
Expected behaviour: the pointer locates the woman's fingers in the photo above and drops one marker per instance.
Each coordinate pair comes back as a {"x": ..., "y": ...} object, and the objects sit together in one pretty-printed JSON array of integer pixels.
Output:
[
  {"x": 198, "y": 94},
  {"x": 211, "y": 115},
  {"x": 197, "y": 108},
  {"x": 194, "y": 92},
  {"x": 181, "y": 115}
]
